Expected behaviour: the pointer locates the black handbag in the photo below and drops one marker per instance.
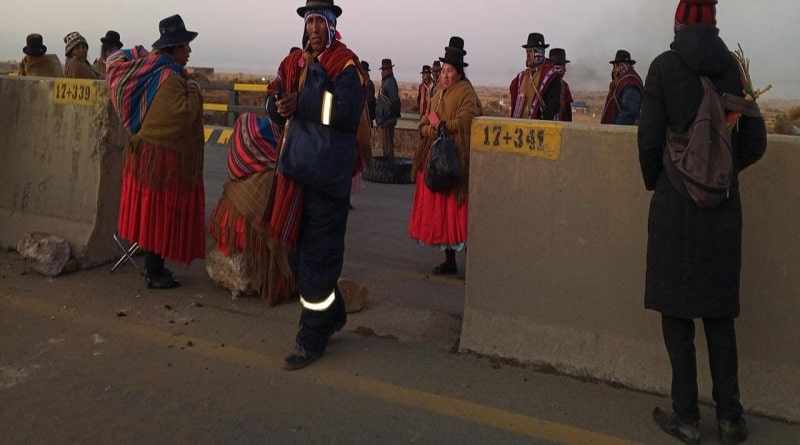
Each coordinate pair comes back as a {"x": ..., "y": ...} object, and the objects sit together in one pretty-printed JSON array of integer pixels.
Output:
[
  {"x": 443, "y": 170},
  {"x": 318, "y": 156}
]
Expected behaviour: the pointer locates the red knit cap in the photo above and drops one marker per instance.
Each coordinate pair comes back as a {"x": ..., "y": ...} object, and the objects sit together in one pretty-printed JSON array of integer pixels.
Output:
[{"x": 690, "y": 12}]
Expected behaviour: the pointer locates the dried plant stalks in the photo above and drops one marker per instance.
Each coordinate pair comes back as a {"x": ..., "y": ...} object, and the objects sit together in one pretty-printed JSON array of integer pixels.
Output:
[{"x": 744, "y": 69}]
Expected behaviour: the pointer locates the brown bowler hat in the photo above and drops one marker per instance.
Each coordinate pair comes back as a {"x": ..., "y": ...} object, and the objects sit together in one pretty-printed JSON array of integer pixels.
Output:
[{"x": 535, "y": 40}]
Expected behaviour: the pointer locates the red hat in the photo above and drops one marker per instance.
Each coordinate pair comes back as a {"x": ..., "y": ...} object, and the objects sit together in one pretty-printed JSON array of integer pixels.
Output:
[{"x": 690, "y": 12}]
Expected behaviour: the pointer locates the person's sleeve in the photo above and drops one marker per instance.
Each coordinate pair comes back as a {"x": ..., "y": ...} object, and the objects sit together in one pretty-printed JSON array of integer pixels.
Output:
[
  {"x": 630, "y": 102},
  {"x": 752, "y": 141},
  {"x": 336, "y": 102},
  {"x": 652, "y": 131},
  {"x": 552, "y": 100}
]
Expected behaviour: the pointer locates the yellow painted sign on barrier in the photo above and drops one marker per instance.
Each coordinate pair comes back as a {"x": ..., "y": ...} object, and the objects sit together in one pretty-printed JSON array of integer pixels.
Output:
[
  {"x": 533, "y": 138},
  {"x": 74, "y": 91}
]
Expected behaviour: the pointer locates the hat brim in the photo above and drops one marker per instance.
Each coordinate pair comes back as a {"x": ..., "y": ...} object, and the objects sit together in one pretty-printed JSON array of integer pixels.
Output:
[
  {"x": 176, "y": 39},
  {"x": 460, "y": 63},
  {"x": 632, "y": 62},
  {"x": 42, "y": 51},
  {"x": 111, "y": 42},
  {"x": 526, "y": 46},
  {"x": 337, "y": 11}
]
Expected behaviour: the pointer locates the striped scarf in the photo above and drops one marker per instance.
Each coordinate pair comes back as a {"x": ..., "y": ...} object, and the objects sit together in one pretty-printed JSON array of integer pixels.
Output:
[
  {"x": 253, "y": 148},
  {"x": 134, "y": 76}
]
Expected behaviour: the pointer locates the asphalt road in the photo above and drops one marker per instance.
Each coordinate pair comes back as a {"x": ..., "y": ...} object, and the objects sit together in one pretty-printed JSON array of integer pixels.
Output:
[{"x": 94, "y": 357}]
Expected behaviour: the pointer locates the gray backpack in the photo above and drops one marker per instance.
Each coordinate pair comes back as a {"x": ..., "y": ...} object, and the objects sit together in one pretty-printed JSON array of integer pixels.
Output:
[{"x": 699, "y": 162}]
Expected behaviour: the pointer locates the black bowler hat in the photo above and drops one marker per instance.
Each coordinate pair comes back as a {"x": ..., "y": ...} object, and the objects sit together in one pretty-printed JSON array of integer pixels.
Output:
[
  {"x": 337, "y": 11},
  {"x": 386, "y": 63},
  {"x": 426, "y": 69},
  {"x": 173, "y": 32},
  {"x": 623, "y": 56},
  {"x": 365, "y": 66},
  {"x": 535, "y": 40},
  {"x": 558, "y": 56},
  {"x": 34, "y": 45},
  {"x": 111, "y": 38},
  {"x": 454, "y": 52}
]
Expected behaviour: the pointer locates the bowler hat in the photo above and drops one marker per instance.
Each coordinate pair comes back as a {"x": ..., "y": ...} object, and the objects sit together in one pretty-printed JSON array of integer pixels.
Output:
[
  {"x": 386, "y": 63},
  {"x": 173, "y": 32},
  {"x": 365, "y": 66},
  {"x": 325, "y": 4},
  {"x": 558, "y": 56},
  {"x": 454, "y": 53},
  {"x": 34, "y": 45},
  {"x": 623, "y": 56},
  {"x": 437, "y": 66},
  {"x": 535, "y": 40},
  {"x": 426, "y": 69},
  {"x": 111, "y": 38}
]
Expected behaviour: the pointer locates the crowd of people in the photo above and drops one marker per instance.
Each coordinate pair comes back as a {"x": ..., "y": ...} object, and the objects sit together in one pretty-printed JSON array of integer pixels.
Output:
[{"x": 286, "y": 210}]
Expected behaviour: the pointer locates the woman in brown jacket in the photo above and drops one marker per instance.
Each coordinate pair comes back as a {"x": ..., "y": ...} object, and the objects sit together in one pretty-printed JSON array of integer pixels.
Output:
[
  {"x": 439, "y": 219},
  {"x": 37, "y": 62},
  {"x": 77, "y": 65}
]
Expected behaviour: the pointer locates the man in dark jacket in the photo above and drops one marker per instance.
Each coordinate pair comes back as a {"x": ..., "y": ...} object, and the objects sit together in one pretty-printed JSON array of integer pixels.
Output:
[
  {"x": 624, "y": 93},
  {"x": 693, "y": 253},
  {"x": 535, "y": 92},
  {"x": 388, "y": 108},
  {"x": 369, "y": 91}
]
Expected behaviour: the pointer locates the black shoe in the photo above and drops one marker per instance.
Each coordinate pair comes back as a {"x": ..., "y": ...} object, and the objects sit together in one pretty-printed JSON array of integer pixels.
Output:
[
  {"x": 163, "y": 281},
  {"x": 446, "y": 268},
  {"x": 687, "y": 432},
  {"x": 300, "y": 358},
  {"x": 732, "y": 432}
]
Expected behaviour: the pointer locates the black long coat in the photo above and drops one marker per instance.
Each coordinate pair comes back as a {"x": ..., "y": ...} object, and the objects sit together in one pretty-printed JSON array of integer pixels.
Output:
[{"x": 693, "y": 254}]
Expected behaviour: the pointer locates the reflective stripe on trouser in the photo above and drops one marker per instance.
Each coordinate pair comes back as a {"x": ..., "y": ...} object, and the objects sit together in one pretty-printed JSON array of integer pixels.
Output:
[{"x": 318, "y": 307}]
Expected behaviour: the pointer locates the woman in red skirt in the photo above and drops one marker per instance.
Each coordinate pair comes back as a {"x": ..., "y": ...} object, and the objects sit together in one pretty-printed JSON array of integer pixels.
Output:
[
  {"x": 439, "y": 219},
  {"x": 162, "y": 203}
]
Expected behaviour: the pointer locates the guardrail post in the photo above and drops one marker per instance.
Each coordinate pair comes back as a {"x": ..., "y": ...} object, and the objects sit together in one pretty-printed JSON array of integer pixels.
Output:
[{"x": 233, "y": 100}]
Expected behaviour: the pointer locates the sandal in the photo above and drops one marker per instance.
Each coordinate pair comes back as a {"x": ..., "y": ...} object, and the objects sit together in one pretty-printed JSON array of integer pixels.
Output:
[{"x": 446, "y": 268}]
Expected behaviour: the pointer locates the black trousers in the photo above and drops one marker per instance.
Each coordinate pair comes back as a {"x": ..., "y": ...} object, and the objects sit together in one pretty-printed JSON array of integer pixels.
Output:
[
  {"x": 317, "y": 264},
  {"x": 723, "y": 361},
  {"x": 387, "y": 140}
]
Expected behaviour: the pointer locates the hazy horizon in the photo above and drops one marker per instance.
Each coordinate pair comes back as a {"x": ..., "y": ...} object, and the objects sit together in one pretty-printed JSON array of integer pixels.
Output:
[{"x": 252, "y": 37}]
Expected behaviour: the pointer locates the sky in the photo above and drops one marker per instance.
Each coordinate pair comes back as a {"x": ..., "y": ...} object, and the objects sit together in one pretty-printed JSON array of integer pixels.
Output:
[{"x": 254, "y": 35}]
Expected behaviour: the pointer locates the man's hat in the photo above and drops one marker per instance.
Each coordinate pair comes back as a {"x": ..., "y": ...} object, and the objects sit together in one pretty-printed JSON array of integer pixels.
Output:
[
  {"x": 454, "y": 52},
  {"x": 535, "y": 40},
  {"x": 72, "y": 40},
  {"x": 623, "y": 56},
  {"x": 173, "y": 33},
  {"x": 326, "y": 4},
  {"x": 558, "y": 56},
  {"x": 691, "y": 12},
  {"x": 365, "y": 66},
  {"x": 426, "y": 69},
  {"x": 437, "y": 66},
  {"x": 111, "y": 38},
  {"x": 386, "y": 63},
  {"x": 34, "y": 45}
]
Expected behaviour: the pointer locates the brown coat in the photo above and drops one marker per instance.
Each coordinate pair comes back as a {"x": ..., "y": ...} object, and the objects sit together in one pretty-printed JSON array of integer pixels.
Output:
[
  {"x": 457, "y": 106},
  {"x": 80, "y": 69},
  {"x": 47, "y": 65}
]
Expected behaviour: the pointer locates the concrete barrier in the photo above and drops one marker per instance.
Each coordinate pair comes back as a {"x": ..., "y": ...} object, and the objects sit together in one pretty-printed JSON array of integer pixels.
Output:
[
  {"x": 556, "y": 261},
  {"x": 60, "y": 147}
]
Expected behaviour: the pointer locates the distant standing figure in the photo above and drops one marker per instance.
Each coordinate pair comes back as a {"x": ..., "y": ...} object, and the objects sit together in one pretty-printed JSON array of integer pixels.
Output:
[
  {"x": 369, "y": 92},
  {"x": 424, "y": 89},
  {"x": 110, "y": 43},
  {"x": 162, "y": 203},
  {"x": 439, "y": 219},
  {"x": 558, "y": 57},
  {"x": 77, "y": 66},
  {"x": 694, "y": 254},
  {"x": 536, "y": 91},
  {"x": 388, "y": 108},
  {"x": 36, "y": 61},
  {"x": 624, "y": 93},
  {"x": 436, "y": 73}
]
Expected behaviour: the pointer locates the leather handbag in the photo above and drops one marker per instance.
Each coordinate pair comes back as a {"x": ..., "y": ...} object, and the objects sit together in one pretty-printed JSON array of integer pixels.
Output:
[{"x": 442, "y": 171}]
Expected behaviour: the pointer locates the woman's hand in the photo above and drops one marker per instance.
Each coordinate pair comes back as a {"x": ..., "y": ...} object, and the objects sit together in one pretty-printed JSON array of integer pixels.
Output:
[
  {"x": 288, "y": 105},
  {"x": 429, "y": 131}
]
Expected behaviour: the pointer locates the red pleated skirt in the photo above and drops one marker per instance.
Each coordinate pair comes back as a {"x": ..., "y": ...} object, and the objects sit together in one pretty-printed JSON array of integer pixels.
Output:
[
  {"x": 169, "y": 222},
  {"x": 437, "y": 219}
]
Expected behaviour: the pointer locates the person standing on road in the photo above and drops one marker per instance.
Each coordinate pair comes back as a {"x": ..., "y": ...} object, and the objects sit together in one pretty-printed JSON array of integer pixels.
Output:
[
  {"x": 110, "y": 43},
  {"x": 436, "y": 72},
  {"x": 536, "y": 91},
  {"x": 440, "y": 219},
  {"x": 162, "y": 204},
  {"x": 624, "y": 93},
  {"x": 77, "y": 66},
  {"x": 388, "y": 108},
  {"x": 424, "y": 89},
  {"x": 309, "y": 220},
  {"x": 558, "y": 57},
  {"x": 694, "y": 254},
  {"x": 369, "y": 91},
  {"x": 36, "y": 61}
]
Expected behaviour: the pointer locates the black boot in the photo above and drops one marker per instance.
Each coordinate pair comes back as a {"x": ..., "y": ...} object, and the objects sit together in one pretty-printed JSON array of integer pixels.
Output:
[
  {"x": 300, "y": 358},
  {"x": 732, "y": 432},
  {"x": 686, "y": 432}
]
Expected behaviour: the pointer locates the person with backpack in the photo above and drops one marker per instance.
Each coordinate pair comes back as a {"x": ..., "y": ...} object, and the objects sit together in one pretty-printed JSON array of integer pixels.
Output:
[{"x": 693, "y": 251}]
